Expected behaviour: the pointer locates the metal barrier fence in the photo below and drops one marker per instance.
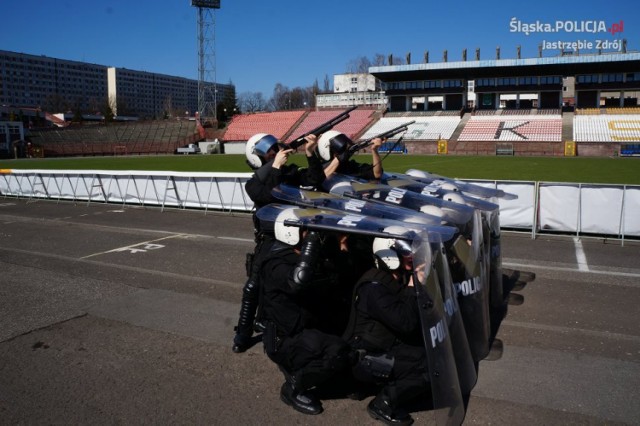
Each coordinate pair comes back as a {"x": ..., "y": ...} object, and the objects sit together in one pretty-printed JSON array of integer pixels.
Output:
[{"x": 541, "y": 207}]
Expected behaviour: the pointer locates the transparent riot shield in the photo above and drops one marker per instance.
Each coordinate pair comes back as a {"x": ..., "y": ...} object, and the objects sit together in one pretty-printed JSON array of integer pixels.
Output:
[
  {"x": 436, "y": 190},
  {"x": 468, "y": 275},
  {"x": 467, "y": 374},
  {"x": 448, "y": 405},
  {"x": 285, "y": 220},
  {"x": 495, "y": 255},
  {"x": 302, "y": 197},
  {"x": 451, "y": 213},
  {"x": 469, "y": 188}
]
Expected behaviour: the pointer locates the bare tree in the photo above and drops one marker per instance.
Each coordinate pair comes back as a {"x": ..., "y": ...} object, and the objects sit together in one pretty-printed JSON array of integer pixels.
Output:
[
  {"x": 56, "y": 103},
  {"x": 378, "y": 60},
  {"x": 281, "y": 99},
  {"x": 327, "y": 84},
  {"x": 359, "y": 65},
  {"x": 106, "y": 109},
  {"x": 167, "y": 106},
  {"x": 252, "y": 102},
  {"x": 397, "y": 60}
]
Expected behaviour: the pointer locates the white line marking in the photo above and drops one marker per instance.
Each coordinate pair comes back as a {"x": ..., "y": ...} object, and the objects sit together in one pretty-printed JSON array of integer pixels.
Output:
[
  {"x": 580, "y": 256},
  {"x": 119, "y": 249},
  {"x": 235, "y": 239}
]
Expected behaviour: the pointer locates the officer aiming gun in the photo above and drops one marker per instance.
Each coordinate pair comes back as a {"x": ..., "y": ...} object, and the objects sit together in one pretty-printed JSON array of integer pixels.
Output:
[
  {"x": 325, "y": 127},
  {"x": 385, "y": 135}
]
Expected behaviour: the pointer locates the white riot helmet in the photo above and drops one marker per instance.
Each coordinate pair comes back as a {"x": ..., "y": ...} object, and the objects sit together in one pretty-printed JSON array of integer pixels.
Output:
[
  {"x": 257, "y": 147},
  {"x": 434, "y": 211},
  {"x": 287, "y": 234},
  {"x": 332, "y": 142},
  {"x": 388, "y": 251},
  {"x": 449, "y": 187},
  {"x": 454, "y": 197}
]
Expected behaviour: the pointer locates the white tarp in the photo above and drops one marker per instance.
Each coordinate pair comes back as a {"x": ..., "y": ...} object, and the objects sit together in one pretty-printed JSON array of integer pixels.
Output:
[{"x": 592, "y": 209}]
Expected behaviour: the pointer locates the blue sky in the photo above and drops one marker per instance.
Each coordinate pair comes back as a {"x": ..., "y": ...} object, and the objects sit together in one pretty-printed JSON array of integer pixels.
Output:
[{"x": 295, "y": 42}]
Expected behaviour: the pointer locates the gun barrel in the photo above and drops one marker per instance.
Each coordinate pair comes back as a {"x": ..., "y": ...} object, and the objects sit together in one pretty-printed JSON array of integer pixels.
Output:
[
  {"x": 383, "y": 135},
  {"x": 324, "y": 127}
]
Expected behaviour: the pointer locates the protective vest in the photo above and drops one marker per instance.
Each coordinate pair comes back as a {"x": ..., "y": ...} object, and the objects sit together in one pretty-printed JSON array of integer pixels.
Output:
[{"x": 363, "y": 331}]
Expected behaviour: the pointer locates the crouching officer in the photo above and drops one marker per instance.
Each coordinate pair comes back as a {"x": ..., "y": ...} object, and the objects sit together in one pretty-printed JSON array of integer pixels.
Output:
[
  {"x": 307, "y": 356},
  {"x": 385, "y": 327},
  {"x": 270, "y": 165}
]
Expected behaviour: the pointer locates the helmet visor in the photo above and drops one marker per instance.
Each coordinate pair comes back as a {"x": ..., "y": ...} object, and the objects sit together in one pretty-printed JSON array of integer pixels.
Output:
[
  {"x": 265, "y": 144},
  {"x": 339, "y": 143}
]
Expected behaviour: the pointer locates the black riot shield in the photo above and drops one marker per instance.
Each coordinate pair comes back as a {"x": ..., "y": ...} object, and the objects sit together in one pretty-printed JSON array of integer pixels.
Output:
[
  {"x": 467, "y": 272},
  {"x": 451, "y": 213},
  {"x": 467, "y": 374},
  {"x": 448, "y": 405}
]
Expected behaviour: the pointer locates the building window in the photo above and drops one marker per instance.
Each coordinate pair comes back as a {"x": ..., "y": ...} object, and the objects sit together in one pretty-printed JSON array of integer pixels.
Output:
[
  {"x": 611, "y": 78},
  {"x": 452, "y": 83},
  {"x": 633, "y": 76},
  {"x": 507, "y": 81},
  {"x": 485, "y": 82},
  {"x": 527, "y": 81},
  {"x": 587, "y": 78},
  {"x": 554, "y": 79}
]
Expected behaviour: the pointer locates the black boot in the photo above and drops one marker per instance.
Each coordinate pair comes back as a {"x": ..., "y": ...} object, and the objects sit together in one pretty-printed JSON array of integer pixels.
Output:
[
  {"x": 380, "y": 409},
  {"x": 241, "y": 343},
  {"x": 300, "y": 401},
  {"x": 248, "y": 307}
]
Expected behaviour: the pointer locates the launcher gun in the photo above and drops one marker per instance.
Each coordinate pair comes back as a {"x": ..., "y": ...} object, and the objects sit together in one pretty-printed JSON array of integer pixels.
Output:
[
  {"x": 325, "y": 127},
  {"x": 385, "y": 135}
]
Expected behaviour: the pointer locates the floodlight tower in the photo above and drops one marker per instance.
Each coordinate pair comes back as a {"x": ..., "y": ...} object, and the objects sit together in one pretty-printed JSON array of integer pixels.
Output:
[{"x": 207, "y": 90}]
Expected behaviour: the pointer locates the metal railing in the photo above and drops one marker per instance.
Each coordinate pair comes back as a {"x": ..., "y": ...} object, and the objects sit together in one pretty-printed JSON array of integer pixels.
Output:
[{"x": 541, "y": 207}]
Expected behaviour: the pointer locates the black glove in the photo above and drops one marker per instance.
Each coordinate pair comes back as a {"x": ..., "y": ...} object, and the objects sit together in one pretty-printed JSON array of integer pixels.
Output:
[{"x": 309, "y": 253}]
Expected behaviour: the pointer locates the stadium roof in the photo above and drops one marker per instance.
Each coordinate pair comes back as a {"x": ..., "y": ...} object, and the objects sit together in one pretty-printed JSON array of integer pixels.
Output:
[{"x": 558, "y": 65}]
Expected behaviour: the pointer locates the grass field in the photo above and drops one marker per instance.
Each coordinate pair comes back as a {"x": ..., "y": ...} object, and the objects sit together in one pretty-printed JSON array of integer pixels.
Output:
[{"x": 545, "y": 169}]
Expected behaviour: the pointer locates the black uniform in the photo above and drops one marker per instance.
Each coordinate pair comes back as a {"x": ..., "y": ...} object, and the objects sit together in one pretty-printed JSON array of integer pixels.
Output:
[
  {"x": 385, "y": 323},
  {"x": 292, "y": 340},
  {"x": 266, "y": 178},
  {"x": 357, "y": 170},
  {"x": 259, "y": 190}
]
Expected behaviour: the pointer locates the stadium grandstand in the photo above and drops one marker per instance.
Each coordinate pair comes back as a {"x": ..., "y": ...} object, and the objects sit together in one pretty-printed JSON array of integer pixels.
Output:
[
  {"x": 352, "y": 127},
  {"x": 584, "y": 104},
  {"x": 278, "y": 124},
  {"x": 533, "y": 106},
  {"x": 574, "y": 104},
  {"x": 129, "y": 138}
]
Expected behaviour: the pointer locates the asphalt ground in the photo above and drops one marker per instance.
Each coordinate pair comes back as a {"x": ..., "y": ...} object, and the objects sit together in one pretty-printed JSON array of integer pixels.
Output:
[{"x": 115, "y": 314}]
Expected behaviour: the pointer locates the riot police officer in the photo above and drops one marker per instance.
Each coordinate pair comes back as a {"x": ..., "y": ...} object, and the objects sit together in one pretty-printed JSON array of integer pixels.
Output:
[
  {"x": 385, "y": 327},
  {"x": 270, "y": 164},
  {"x": 307, "y": 356},
  {"x": 333, "y": 148}
]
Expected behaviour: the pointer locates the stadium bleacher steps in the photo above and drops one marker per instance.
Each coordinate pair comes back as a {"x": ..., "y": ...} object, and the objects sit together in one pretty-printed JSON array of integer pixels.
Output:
[
  {"x": 453, "y": 140},
  {"x": 567, "y": 126},
  {"x": 295, "y": 126}
]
